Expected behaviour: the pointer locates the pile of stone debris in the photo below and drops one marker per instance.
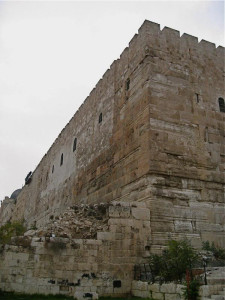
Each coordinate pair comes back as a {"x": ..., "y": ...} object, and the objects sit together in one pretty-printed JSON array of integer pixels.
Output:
[{"x": 80, "y": 221}]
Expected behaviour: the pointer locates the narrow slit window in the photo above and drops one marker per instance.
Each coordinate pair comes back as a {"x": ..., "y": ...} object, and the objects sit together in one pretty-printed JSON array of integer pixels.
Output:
[
  {"x": 74, "y": 144},
  {"x": 100, "y": 118},
  {"x": 53, "y": 169},
  {"x": 127, "y": 84},
  {"x": 197, "y": 97},
  {"x": 61, "y": 160},
  {"x": 221, "y": 104}
]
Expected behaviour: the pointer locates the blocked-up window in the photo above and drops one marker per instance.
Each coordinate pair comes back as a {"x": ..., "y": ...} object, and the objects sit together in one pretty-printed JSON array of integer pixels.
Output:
[
  {"x": 221, "y": 104},
  {"x": 61, "y": 160}
]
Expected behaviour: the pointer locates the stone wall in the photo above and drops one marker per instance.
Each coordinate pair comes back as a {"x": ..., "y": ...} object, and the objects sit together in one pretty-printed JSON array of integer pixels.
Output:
[
  {"x": 165, "y": 291},
  {"x": 174, "y": 291},
  {"x": 7, "y": 210},
  {"x": 79, "y": 267},
  {"x": 161, "y": 144},
  {"x": 160, "y": 120}
]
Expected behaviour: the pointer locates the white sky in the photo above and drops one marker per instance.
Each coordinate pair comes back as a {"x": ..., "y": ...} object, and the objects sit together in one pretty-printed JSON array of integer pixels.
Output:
[{"x": 53, "y": 53}]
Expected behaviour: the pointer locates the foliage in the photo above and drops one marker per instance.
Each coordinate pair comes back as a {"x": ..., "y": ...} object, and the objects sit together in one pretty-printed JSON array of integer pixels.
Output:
[
  {"x": 9, "y": 230},
  {"x": 174, "y": 261},
  {"x": 218, "y": 253},
  {"x": 191, "y": 292}
]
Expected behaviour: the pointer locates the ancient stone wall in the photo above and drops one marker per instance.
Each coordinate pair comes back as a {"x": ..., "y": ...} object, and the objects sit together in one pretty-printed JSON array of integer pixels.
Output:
[
  {"x": 160, "y": 145},
  {"x": 82, "y": 268}
]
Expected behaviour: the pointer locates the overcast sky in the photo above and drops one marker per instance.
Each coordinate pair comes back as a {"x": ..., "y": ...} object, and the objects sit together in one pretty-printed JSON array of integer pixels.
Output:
[{"x": 53, "y": 53}]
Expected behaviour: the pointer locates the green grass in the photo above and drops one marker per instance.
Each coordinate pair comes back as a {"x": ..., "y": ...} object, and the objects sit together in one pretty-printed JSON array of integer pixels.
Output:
[{"x": 12, "y": 296}]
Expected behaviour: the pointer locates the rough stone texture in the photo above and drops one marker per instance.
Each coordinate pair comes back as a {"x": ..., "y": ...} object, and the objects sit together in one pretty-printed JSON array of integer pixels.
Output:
[
  {"x": 6, "y": 210},
  {"x": 158, "y": 156},
  {"x": 72, "y": 266},
  {"x": 173, "y": 291}
]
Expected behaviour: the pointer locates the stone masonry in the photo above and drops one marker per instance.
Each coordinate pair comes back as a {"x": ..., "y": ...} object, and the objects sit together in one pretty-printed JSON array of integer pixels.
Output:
[{"x": 148, "y": 145}]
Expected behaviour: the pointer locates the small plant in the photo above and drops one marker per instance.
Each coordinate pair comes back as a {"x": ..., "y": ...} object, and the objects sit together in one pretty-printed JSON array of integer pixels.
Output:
[
  {"x": 9, "y": 230},
  {"x": 191, "y": 292},
  {"x": 218, "y": 253},
  {"x": 174, "y": 261}
]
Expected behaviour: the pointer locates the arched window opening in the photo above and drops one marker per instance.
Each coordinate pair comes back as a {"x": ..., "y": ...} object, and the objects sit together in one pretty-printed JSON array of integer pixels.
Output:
[
  {"x": 53, "y": 169},
  {"x": 100, "y": 118},
  {"x": 74, "y": 144},
  {"x": 127, "y": 84},
  {"x": 61, "y": 160},
  {"x": 221, "y": 104}
]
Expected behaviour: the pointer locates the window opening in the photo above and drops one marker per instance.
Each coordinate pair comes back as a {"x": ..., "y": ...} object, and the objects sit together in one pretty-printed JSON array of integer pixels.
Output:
[
  {"x": 117, "y": 283},
  {"x": 74, "y": 144},
  {"x": 127, "y": 84},
  {"x": 53, "y": 169},
  {"x": 61, "y": 160},
  {"x": 28, "y": 178},
  {"x": 197, "y": 97},
  {"x": 100, "y": 118},
  {"x": 221, "y": 104}
]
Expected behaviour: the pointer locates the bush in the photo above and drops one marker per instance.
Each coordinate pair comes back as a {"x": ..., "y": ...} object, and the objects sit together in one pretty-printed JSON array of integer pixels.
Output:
[
  {"x": 191, "y": 292},
  {"x": 218, "y": 253},
  {"x": 174, "y": 261},
  {"x": 9, "y": 230}
]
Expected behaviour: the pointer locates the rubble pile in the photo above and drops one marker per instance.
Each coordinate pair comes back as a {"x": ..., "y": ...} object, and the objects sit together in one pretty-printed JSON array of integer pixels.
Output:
[{"x": 80, "y": 221}]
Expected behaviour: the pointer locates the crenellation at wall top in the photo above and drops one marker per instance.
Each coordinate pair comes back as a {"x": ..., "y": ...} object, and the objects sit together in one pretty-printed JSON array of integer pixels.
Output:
[
  {"x": 133, "y": 41},
  {"x": 220, "y": 51},
  {"x": 149, "y": 28},
  {"x": 170, "y": 32},
  {"x": 208, "y": 48},
  {"x": 189, "y": 40}
]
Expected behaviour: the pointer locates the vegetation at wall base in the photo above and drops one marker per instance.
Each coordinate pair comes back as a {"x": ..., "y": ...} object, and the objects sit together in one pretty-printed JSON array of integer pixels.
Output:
[
  {"x": 11, "y": 230},
  {"x": 218, "y": 253},
  {"x": 191, "y": 292},
  {"x": 172, "y": 265}
]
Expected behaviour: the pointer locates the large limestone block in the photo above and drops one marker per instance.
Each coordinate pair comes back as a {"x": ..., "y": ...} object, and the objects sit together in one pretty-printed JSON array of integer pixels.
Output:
[
  {"x": 157, "y": 296},
  {"x": 168, "y": 288},
  {"x": 141, "y": 213},
  {"x": 172, "y": 297}
]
